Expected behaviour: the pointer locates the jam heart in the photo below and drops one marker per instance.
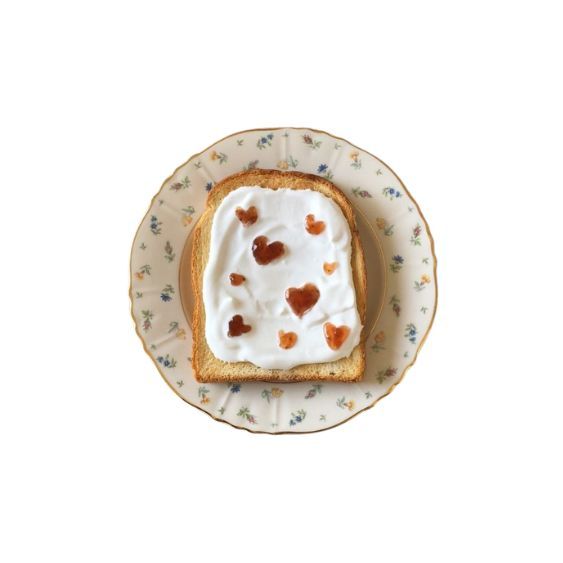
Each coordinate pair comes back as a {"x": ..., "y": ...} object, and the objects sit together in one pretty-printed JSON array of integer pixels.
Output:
[
  {"x": 302, "y": 299},
  {"x": 247, "y": 217},
  {"x": 329, "y": 267},
  {"x": 335, "y": 335},
  {"x": 314, "y": 227},
  {"x": 265, "y": 253},
  {"x": 237, "y": 326},
  {"x": 287, "y": 339},
  {"x": 237, "y": 279}
]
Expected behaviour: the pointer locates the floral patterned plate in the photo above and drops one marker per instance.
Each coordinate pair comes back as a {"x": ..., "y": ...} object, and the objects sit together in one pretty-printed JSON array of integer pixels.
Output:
[{"x": 403, "y": 248}]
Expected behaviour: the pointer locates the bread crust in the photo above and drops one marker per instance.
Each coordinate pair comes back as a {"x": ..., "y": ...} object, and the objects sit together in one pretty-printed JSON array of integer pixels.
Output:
[{"x": 209, "y": 369}]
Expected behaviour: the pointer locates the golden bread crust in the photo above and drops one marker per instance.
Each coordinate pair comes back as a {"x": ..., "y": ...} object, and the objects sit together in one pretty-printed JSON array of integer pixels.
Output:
[{"x": 207, "y": 367}]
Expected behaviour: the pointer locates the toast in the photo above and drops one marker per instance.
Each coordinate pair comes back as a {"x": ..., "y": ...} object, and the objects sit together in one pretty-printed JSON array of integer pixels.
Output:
[{"x": 207, "y": 367}]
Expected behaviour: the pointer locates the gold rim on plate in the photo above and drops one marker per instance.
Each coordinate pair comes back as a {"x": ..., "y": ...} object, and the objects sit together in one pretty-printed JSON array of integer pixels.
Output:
[{"x": 392, "y": 387}]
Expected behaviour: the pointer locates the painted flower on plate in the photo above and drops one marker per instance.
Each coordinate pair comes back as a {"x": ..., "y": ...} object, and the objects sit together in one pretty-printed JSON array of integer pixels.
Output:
[{"x": 297, "y": 417}]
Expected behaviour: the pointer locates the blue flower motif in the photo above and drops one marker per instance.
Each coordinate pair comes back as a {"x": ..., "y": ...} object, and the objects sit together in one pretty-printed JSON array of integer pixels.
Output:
[
  {"x": 263, "y": 140},
  {"x": 411, "y": 333},
  {"x": 235, "y": 388},
  {"x": 270, "y": 136},
  {"x": 166, "y": 361},
  {"x": 391, "y": 191},
  {"x": 322, "y": 168},
  {"x": 208, "y": 186},
  {"x": 398, "y": 259},
  {"x": 165, "y": 297},
  {"x": 297, "y": 417}
]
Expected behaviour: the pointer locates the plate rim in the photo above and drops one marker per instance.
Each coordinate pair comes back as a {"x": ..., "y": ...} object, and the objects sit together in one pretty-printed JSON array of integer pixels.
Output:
[{"x": 392, "y": 387}]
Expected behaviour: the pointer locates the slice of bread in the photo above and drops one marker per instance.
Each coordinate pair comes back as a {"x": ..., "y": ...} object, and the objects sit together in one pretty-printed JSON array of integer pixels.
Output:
[{"x": 207, "y": 367}]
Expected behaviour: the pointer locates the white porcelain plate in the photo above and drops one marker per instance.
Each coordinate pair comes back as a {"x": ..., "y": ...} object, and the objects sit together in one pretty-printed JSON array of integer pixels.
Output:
[{"x": 402, "y": 291}]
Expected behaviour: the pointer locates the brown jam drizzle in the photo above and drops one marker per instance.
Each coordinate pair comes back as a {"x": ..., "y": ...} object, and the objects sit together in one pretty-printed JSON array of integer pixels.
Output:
[
  {"x": 265, "y": 253},
  {"x": 302, "y": 299},
  {"x": 237, "y": 279},
  {"x": 329, "y": 267},
  {"x": 287, "y": 339},
  {"x": 335, "y": 335},
  {"x": 314, "y": 227},
  {"x": 247, "y": 217},
  {"x": 237, "y": 326}
]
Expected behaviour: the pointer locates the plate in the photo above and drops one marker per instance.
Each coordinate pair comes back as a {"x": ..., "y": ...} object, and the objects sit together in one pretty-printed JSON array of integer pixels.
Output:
[{"x": 402, "y": 290}]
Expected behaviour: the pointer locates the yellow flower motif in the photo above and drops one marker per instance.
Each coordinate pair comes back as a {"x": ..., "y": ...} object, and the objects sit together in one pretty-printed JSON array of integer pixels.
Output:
[
  {"x": 354, "y": 155},
  {"x": 186, "y": 220},
  {"x": 204, "y": 400},
  {"x": 425, "y": 279},
  {"x": 214, "y": 155},
  {"x": 379, "y": 337},
  {"x": 139, "y": 275},
  {"x": 283, "y": 165},
  {"x": 350, "y": 404},
  {"x": 381, "y": 223},
  {"x": 276, "y": 392},
  {"x": 181, "y": 334}
]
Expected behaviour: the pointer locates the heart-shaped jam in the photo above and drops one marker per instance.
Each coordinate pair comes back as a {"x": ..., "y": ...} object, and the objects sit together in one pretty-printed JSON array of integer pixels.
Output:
[
  {"x": 314, "y": 227},
  {"x": 248, "y": 217},
  {"x": 329, "y": 267},
  {"x": 302, "y": 299},
  {"x": 287, "y": 339},
  {"x": 265, "y": 253},
  {"x": 335, "y": 335},
  {"x": 237, "y": 326},
  {"x": 237, "y": 279}
]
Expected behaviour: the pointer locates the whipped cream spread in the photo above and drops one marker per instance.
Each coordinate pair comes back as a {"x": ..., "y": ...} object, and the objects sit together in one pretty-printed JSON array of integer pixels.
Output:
[{"x": 261, "y": 298}]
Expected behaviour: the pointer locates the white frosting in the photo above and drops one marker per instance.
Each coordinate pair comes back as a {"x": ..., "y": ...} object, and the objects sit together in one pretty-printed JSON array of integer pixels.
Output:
[{"x": 261, "y": 298}]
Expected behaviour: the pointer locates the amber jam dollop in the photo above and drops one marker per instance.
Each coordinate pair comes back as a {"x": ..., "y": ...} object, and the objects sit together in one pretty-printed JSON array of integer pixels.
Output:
[
  {"x": 287, "y": 339},
  {"x": 335, "y": 335},
  {"x": 247, "y": 217},
  {"x": 329, "y": 267},
  {"x": 237, "y": 279},
  {"x": 302, "y": 299},
  {"x": 265, "y": 253},
  {"x": 314, "y": 227},
  {"x": 237, "y": 326}
]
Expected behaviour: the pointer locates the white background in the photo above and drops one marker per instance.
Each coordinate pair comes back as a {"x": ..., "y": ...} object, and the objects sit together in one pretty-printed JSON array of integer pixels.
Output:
[{"x": 101, "y": 461}]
